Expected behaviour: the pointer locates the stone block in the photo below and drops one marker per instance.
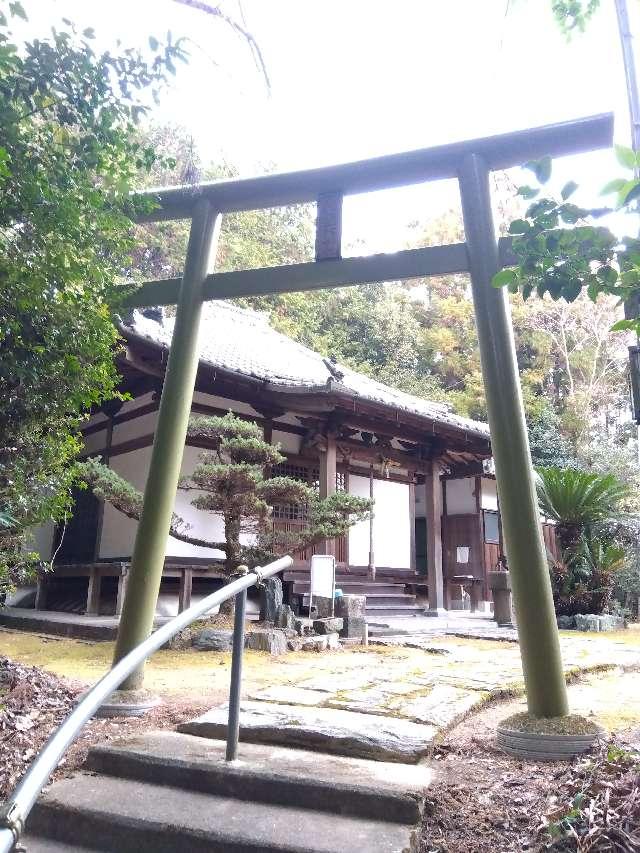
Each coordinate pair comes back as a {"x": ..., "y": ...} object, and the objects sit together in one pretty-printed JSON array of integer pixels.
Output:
[
  {"x": 274, "y": 642},
  {"x": 319, "y": 642},
  {"x": 303, "y": 627},
  {"x": 285, "y": 618},
  {"x": 322, "y": 607},
  {"x": 599, "y": 622},
  {"x": 353, "y": 626},
  {"x": 328, "y": 626},
  {"x": 210, "y": 640},
  {"x": 351, "y": 606},
  {"x": 566, "y": 623},
  {"x": 270, "y": 599}
]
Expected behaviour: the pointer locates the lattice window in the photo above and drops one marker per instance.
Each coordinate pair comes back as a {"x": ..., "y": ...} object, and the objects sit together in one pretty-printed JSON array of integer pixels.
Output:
[{"x": 303, "y": 474}]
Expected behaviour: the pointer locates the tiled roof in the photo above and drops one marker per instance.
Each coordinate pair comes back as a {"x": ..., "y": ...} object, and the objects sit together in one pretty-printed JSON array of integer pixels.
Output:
[{"x": 242, "y": 341}]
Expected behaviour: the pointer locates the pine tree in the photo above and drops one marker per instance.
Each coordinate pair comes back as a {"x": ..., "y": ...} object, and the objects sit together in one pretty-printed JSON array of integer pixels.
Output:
[{"x": 232, "y": 480}]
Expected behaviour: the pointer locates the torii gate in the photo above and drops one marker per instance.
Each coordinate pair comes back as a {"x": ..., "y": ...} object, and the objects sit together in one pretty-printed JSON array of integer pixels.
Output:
[{"x": 470, "y": 162}]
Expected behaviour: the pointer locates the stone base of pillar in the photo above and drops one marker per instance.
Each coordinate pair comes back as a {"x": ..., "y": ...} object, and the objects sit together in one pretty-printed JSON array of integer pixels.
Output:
[{"x": 436, "y": 611}]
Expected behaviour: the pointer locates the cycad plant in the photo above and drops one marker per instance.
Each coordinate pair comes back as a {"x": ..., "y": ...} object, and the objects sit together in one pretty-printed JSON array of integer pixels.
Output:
[
  {"x": 578, "y": 502},
  {"x": 585, "y": 507}
]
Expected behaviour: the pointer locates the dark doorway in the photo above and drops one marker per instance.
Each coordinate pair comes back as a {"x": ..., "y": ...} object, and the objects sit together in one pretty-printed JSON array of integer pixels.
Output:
[{"x": 80, "y": 535}]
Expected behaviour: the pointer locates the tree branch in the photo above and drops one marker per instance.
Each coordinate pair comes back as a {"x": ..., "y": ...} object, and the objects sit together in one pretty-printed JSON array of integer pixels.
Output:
[{"x": 216, "y": 12}]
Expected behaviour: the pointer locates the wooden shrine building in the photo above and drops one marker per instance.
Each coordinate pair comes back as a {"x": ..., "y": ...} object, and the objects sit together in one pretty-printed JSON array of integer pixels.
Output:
[{"x": 436, "y": 524}]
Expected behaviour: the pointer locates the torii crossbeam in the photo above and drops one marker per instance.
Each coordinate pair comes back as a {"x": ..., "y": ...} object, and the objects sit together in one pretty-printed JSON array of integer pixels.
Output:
[{"x": 470, "y": 163}]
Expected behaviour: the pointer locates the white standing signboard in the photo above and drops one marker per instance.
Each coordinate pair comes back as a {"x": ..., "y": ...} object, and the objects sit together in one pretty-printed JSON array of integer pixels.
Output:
[{"x": 323, "y": 578}]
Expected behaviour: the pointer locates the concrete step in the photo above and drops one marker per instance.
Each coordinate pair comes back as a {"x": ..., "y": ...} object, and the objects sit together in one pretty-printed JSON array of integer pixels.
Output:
[
  {"x": 269, "y": 774},
  {"x": 130, "y": 816},
  {"x": 376, "y": 599},
  {"x": 357, "y": 588},
  {"x": 37, "y": 844}
]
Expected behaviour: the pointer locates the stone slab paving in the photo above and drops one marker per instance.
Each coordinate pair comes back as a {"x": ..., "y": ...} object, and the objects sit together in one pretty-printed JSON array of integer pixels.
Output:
[
  {"x": 392, "y": 708},
  {"x": 324, "y": 729}
]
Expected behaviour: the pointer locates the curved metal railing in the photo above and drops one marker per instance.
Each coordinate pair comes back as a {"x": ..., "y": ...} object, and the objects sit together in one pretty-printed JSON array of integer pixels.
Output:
[{"x": 14, "y": 812}]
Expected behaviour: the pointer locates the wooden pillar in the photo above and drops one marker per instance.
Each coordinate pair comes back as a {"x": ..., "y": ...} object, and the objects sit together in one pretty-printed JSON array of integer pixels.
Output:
[
  {"x": 122, "y": 588},
  {"x": 412, "y": 522},
  {"x": 93, "y": 592},
  {"x": 328, "y": 469},
  {"x": 433, "y": 508},
  {"x": 267, "y": 430},
  {"x": 184, "y": 593},
  {"x": 372, "y": 556},
  {"x": 41, "y": 592}
]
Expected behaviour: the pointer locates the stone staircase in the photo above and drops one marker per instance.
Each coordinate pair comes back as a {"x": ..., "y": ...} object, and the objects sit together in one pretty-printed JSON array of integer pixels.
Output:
[
  {"x": 385, "y": 597},
  {"x": 167, "y": 792}
]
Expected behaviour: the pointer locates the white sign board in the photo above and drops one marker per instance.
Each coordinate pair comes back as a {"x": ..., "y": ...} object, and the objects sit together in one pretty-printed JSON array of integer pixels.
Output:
[{"x": 323, "y": 574}]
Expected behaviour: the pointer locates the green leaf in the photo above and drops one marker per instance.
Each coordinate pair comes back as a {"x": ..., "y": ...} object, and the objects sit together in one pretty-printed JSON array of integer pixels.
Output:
[
  {"x": 568, "y": 190},
  {"x": 527, "y": 192},
  {"x": 613, "y": 186},
  {"x": 632, "y": 194},
  {"x": 625, "y": 191},
  {"x": 17, "y": 10},
  {"x": 540, "y": 168},
  {"x": 505, "y": 277},
  {"x": 519, "y": 226},
  {"x": 625, "y": 156},
  {"x": 607, "y": 274},
  {"x": 154, "y": 44},
  {"x": 89, "y": 33},
  {"x": 624, "y": 326}
]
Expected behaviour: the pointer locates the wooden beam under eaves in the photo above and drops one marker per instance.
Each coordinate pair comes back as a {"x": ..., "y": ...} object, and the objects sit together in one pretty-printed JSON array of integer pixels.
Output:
[{"x": 316, "y": 275}]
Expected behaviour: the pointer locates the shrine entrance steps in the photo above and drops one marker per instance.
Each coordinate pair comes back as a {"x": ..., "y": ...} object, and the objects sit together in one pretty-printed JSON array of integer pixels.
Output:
[
  {"x": 165, "y": 792},
  {"x": 386, "y": 596}
]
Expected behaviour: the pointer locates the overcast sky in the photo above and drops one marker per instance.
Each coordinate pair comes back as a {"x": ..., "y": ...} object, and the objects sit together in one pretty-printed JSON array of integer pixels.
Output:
[{"x": 357, "y": 78}]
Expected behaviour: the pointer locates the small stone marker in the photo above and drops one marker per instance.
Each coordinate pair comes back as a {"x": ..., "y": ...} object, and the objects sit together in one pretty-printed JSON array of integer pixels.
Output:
[
  {"x": 322, "y": 607},
  {"x": 351, "y": 606},
  {"x": 354, "y": 626}
]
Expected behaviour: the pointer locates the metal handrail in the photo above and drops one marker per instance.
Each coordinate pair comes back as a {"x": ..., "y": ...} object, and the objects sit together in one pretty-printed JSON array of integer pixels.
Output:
[{"x": 14, "y": 812}]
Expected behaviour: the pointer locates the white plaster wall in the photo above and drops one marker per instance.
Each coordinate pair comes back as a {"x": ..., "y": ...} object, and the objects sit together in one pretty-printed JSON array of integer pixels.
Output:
[
  {"x": 41, "y": 540},
  {"x": 130, "y": 405},
  {"x": 391, "y": 524},
  {"x": 489, "y": 495},
  {"x": 460, "y": 497},
  {"x": 142, "y": 425},
  {"x": 288, "y": 442},
  {"x": 118, "y": 532},
  {"x": 225, "y": 404}
]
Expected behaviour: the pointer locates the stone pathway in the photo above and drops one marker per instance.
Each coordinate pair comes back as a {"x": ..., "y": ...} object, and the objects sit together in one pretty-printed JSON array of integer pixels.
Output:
[{"x": 397, "y": 710}]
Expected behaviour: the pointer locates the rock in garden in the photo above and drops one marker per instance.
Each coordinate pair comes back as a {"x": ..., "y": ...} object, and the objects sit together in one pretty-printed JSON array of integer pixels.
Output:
[
  {"x": 210, "y": 640},
  {"x": 272, "y": 641},
  {"x": 270, "y": 599},
  {"x": 566, "y": 623},
  {"x": 285, "y": 618},
  {"x": 328, "y": 626}
]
